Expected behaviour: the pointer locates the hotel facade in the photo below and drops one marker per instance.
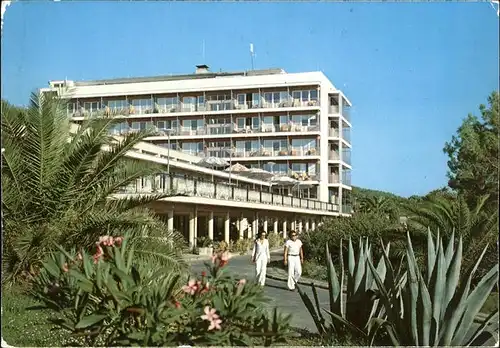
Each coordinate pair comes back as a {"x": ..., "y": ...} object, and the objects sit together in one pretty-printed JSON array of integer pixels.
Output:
[{"x": 294, "y": 125}]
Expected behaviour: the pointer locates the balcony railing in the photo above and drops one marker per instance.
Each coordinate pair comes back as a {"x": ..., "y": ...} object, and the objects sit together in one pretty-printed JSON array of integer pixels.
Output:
[
  {"x": 208, "y": 189},
  {"x": 333, "y": 179},
  {"x": 209, "y": 105},
  {"x": 346, "y": 113},
  {"x": 333, "y": 109},
  {"x": 334, "y": 156},
  {"x": 346, "y": 209},
  {"x": 333, "y": 133},
  {"x": 268, "y": 152}
]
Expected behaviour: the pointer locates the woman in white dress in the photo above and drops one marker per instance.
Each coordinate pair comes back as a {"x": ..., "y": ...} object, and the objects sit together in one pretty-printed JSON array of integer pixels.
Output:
[{"x": 261, "y": 257}]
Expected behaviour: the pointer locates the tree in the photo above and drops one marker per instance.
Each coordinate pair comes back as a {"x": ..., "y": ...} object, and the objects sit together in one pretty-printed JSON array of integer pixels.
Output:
[
  {"x": 56, "y": 187},
  {"x": 473, "y": 155}
]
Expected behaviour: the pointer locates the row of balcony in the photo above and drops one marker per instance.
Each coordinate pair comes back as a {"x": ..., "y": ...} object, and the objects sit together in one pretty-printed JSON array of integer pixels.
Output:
[
  {"x": 209, "y": 106},
  {"x": 225, "y": 129},
  {"x": 201, "y": 188}
]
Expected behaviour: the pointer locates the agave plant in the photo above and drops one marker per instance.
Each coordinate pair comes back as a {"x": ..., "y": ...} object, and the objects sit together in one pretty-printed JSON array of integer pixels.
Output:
[
  {"x": 436, "y": 308},
  {"x": 352, "y": 292}
]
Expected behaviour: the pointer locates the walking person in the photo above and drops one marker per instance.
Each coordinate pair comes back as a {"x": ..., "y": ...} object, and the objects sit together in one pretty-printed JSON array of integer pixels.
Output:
[
  {"x": 261, "y": 257},
  {"x": 294, "y": 258}
]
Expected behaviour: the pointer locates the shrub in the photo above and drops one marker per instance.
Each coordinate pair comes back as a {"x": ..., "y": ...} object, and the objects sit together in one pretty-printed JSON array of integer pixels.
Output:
[
  {"x": 204, "y": 242},
  {"x": 241, "y": 246},
  {"x": 109, "y": 299},
  {"x": 275, "y": 240},
  {"x": 313, "y": 270},
  {"x": 362, "y": 225}
]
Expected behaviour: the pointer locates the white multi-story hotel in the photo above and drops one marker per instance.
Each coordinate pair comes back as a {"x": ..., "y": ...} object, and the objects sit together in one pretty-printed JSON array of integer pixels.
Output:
[{"x": 291, "y": 124}]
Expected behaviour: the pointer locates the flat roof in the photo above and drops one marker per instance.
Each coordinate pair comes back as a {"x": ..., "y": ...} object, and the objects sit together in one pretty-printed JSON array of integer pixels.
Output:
[{"x": 193, "y": 76}]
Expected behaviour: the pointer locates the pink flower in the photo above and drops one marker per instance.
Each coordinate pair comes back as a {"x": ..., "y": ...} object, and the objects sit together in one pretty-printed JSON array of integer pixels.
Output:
[
  {"x": 213, "y": 318},
  {"x": 215, "y": 324},
  {"x": 203, "y": 274},
  {"x": 177, "y": 304},
  {"x": 98, "y": 254},
  {"x": 191, "y": 287},
  {"x": 65, "y": 268},
  {"x": 242, "y": 281},
  {"x": 214, "y": 257}
]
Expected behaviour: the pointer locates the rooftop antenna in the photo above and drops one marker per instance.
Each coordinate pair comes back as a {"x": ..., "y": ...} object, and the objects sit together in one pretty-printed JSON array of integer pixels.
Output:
[{"x": 251, "y": 53}]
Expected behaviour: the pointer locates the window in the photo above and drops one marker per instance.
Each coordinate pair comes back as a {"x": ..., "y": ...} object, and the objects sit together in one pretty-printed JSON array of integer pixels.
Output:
[
  {"x": 268, "y": 120},
  {"x": 283, "y": 119},
  {"x": 161, "y": 124},
  {"x": 255, "y": 99},
  {"x": 240, "y": 122},
  {"x": 117, "y": 104},
  {"x": 255, "y": 122},
  {"x": 91, "y": 106},
  {"x": 241, "y": 99},
  {"x": 314, "y": 94},
  {"x": 296, "y": 95}
]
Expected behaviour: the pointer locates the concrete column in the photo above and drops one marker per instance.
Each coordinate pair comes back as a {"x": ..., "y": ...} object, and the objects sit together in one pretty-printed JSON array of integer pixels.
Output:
[
  {"x": 313, "y": 227},
  {"x": 275, "y": 226},
  {"x": 227, "y": 224},
  {"x": 249, "y": 231},
  {"x": 195, "y": 225},
  {"x": 307, "y": 225},
  {"x": 292, "y": 226},
  {"x": 191, "y": 229},
  {"x": 265, "y": 224},
  {"x": 170, "y": 221},
  {"x": 240, "y": 227},
  {"x": 300, "y": 226},
  {"x": 284, "y": 228},
  {"x": 211, "y": 225}
]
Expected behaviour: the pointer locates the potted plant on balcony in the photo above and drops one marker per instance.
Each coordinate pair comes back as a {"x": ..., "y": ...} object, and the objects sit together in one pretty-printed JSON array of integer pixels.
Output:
[
  {"x": 131, "y": 109},
  {"x": 205, "y": 246},
  {"x": 283, "y": 153},
  {"x": 311, "y": 151}
]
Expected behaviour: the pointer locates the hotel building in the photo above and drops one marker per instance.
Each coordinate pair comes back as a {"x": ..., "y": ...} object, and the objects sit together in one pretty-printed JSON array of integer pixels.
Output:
[{"x": 291, "y": 124}]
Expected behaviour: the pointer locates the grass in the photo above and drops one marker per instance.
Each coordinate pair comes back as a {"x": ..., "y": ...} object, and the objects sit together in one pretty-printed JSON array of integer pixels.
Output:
[{"x": 26, "y": 328}]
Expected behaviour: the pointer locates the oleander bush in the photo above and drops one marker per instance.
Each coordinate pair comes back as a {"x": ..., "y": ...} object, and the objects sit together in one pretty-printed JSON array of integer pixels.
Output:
[{"x": 111, "y": 299}]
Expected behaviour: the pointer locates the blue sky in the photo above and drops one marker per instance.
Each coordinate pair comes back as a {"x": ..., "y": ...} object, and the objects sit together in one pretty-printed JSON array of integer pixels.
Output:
[{"x": 412, "y": 70}]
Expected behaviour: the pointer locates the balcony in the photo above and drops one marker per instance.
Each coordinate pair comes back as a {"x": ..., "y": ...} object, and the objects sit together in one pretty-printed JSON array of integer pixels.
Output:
[
  {"x": 333, "y": 156},
  {"x": 333, "y": 109},
  {"x": 197, "y": 187},
  {"x": 333, "y": 179},
  {"x": 346, "y": 113},
  {"x": 270, "y": 152},
  {"x": 208, "y": 106},
  {"x": 333, "y": 133}
]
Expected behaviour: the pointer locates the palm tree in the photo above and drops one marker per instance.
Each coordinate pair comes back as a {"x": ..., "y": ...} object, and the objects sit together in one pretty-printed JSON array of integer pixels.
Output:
[
  {"x": 56, "y": 187},
  {"x": 378, "y": 205},
  {"x": 447, "y": 213}
]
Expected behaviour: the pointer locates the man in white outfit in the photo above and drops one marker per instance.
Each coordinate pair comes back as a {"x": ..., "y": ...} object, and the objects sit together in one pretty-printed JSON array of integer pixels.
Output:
[
  {"x": 294, "y": 258},
  {"x": 261, "y": 257}
]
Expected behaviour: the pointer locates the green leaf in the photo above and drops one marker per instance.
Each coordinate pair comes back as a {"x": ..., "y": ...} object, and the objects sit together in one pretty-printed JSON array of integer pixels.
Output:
[{"x": 90, "y": 320}]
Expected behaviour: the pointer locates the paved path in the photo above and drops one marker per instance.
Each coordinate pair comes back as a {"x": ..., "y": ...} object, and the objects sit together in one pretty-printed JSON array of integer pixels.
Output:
[{"x": 287, "y": 301}]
